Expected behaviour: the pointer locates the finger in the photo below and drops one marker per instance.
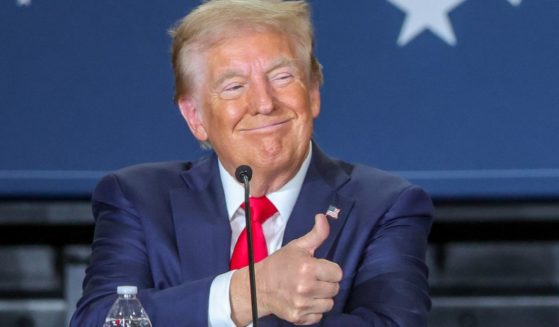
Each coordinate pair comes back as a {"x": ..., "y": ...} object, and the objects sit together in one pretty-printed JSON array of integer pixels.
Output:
[
  {"x": 321, "y": 306},
  {"x": 313, "y": 239},
  {"x": 328, "y": 271},
  {"x": 325, "y": 290},
  {"x": 309, "y": 319},
  {"x": 315, "y": 313}
]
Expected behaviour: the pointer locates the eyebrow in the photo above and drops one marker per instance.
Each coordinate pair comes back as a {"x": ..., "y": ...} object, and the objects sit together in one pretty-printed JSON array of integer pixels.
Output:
[
  {"x": 282, "y": 62},
  {"x": 225, "y": 76}
]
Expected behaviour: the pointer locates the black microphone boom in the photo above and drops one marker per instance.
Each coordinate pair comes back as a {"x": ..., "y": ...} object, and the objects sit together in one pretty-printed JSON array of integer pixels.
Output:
[{"x": 243, "y": 174}]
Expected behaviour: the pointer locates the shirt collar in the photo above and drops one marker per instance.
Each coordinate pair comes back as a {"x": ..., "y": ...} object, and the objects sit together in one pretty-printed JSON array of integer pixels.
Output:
[{"x": 283, "y": 199}]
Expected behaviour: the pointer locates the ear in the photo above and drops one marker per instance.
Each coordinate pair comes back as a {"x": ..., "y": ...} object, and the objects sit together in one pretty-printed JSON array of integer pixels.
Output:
[
  {"x": 315, "y": 99},
  {"x": 193, "y": 116}
]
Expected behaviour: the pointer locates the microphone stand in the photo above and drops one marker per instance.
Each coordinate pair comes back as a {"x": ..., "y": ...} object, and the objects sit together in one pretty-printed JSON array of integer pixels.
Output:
[{"x": 250, "y": 252}]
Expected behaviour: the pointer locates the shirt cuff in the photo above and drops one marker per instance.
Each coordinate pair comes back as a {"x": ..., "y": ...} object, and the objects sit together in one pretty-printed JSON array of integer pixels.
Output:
[{"x": 219, "y": 307}]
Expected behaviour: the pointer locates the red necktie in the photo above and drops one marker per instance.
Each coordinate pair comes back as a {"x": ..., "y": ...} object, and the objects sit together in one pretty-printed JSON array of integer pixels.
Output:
[{"x": 260, "y": 209}]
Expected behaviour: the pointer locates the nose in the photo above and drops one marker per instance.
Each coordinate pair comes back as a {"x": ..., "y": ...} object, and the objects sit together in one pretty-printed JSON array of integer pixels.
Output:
[{"x": 262, "y": 101}]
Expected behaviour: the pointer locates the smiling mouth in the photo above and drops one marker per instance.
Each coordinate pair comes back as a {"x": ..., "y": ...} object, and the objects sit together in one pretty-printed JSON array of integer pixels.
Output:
[{"x": 266, "y": 127}]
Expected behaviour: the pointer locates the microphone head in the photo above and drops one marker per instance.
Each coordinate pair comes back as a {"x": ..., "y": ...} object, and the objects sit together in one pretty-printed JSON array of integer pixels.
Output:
[{"x": 242, "y": 171}]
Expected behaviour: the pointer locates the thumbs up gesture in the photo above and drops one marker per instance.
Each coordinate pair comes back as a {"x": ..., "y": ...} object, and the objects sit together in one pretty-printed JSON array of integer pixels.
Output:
[{"x": 292, "y": 283}]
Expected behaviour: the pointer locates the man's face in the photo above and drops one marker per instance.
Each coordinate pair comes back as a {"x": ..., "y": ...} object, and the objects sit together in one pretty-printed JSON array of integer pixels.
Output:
[{"x": 254, "y": 104}]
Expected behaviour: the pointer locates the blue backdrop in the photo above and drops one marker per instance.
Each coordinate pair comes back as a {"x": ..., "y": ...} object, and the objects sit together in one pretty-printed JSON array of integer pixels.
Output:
[{"x": 460, "y": 96}]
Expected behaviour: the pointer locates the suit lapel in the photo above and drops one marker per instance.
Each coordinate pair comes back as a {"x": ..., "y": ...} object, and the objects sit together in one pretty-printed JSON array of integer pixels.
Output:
[
  {"x": 202, "y": 226},
  {"x": 319, "y": 191}
]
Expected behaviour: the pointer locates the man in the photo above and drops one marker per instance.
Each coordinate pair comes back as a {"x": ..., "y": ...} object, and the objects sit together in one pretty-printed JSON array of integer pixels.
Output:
[{"x": 247, "y": 84}]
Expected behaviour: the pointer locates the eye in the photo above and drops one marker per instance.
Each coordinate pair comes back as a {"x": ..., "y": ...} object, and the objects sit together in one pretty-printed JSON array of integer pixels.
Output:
[
  {"x": 282, "y": 79},
  {"x": 232, "y": 90},
  {"x": 233, "y": 87}
]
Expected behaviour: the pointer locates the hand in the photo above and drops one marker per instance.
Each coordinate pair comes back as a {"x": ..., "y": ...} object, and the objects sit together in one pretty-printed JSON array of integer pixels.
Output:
[{"x": 292, "y": 283}]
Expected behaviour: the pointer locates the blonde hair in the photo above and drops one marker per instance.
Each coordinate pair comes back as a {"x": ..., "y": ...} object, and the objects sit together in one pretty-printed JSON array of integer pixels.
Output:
[{"x": 216, "y": 20}]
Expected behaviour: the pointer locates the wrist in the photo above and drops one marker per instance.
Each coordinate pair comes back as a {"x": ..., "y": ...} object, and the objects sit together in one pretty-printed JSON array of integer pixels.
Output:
[
  {"x": 240, "y": 298},
  {"x": 261, "y": 290}
]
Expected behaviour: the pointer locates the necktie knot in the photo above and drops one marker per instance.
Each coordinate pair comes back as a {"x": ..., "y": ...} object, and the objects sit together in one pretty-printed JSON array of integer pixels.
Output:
[{"x": 261, "y": 208}]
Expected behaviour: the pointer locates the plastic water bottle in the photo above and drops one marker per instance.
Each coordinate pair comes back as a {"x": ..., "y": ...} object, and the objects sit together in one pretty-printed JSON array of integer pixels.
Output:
[{"x": 127, "y": 311}]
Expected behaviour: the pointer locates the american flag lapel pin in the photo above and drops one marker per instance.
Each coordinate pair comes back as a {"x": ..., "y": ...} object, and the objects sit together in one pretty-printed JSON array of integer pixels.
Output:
[{"x": 333, "y": 212}]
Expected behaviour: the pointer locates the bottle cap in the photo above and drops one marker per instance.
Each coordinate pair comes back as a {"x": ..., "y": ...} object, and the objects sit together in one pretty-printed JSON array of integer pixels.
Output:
[{"x": 121, "y": 290}]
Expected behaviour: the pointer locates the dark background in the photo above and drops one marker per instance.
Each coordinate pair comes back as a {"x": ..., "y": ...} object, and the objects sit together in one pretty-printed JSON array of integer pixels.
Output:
[{"x": 86, "y": 87}]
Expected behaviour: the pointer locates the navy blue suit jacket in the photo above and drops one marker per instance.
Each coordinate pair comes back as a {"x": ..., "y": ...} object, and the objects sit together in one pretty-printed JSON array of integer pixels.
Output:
[{"x": 164, "y": 227}]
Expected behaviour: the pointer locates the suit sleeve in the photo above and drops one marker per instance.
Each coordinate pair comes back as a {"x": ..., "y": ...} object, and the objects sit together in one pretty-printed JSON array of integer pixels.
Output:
[
  {"x": 119, "y": 257},
  {"x": 390, "y": 286}
]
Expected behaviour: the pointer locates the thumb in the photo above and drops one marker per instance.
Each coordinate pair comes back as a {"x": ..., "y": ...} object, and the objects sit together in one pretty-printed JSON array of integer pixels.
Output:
[{"x": 313, "y": 239}]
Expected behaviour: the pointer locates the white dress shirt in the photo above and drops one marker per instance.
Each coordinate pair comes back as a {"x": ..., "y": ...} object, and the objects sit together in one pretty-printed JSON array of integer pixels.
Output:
[{"x": 219, "y": 312}]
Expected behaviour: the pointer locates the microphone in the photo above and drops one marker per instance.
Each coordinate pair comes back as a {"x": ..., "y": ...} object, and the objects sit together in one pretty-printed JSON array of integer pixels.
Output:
[{"x": 243, "y": 173}]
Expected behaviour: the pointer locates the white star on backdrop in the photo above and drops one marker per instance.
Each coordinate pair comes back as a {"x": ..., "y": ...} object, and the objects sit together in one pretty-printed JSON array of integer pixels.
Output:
[
  {"x": 22, "y": 3},
  {"x": 515, "y": 2},
  {"x": 427, "y": 15}
]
